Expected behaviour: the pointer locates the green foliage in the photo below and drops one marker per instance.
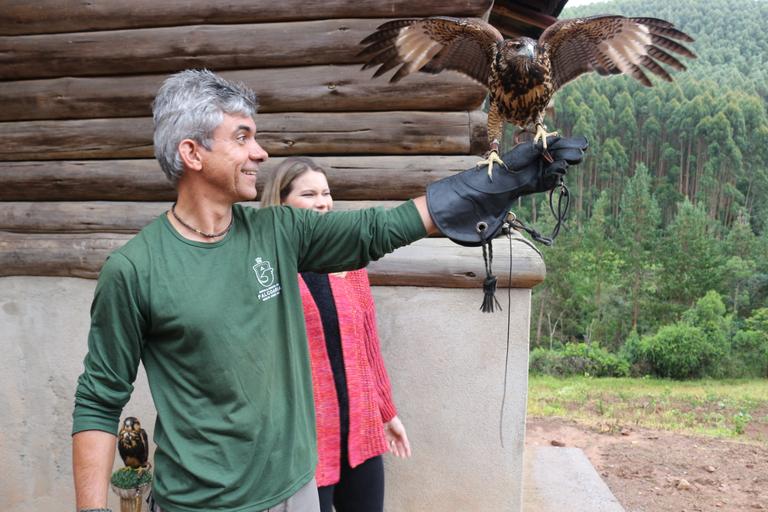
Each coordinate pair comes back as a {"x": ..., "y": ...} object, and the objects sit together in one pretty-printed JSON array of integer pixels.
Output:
[
  {"x": 694, "y": 347},
  {"x": 750, "y": 346},
  {"x": 578, "y": 359},
  {"x": 670, "y": 202},
  {"x": 688, "y": 238},
  {"x": 677, "y": 351},
  {"x": 130, "y": 478},
  {"x": 740, "y": 421},
  {"x": 638, "y": 221},
  {"x": 709, "y": 315}
]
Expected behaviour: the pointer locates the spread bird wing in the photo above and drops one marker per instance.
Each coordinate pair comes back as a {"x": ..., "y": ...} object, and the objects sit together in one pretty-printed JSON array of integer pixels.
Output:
[
  {"x": 432, "y": 45},
  {"x": 611, "y": 45}
]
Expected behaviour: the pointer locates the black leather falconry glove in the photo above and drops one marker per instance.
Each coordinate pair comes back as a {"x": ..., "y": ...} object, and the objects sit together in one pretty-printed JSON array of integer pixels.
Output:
[
  {"x": 470, "y": 209},
  {"x": 461, "y": 203}
]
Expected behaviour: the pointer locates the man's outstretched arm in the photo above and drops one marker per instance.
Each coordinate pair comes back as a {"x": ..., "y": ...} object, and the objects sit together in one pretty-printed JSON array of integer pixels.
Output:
[
  {"x": 93, "y": 455},
  {"x": 421, "y": 206}
]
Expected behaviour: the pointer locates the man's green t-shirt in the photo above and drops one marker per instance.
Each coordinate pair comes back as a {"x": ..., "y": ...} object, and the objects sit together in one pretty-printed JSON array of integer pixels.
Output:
[{"x": 220, "y": 330}]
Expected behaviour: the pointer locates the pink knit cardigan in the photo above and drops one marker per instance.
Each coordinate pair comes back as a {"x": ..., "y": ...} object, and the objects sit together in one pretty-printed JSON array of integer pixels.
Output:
[{"x": 370, "y": 393}]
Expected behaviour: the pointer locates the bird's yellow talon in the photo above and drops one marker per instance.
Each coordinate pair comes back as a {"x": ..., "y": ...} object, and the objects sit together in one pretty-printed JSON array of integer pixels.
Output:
[
  {"x": 542, "y": 134},
  {"x": 493, "y": 158}
]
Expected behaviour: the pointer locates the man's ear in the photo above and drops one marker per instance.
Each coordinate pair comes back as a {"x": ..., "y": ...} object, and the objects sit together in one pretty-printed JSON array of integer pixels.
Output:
[{"x": 189, "y": 152}]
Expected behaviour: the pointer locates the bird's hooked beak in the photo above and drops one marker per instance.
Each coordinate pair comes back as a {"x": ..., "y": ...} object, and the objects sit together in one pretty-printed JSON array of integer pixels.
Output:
[
  {"x": 528, "y": 49},
  {"x": 521, "y": 48}
]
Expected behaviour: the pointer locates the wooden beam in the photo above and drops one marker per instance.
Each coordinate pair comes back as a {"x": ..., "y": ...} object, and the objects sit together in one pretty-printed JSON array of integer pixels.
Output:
[
  {"x": 48, "y": 16},
  {"x": 350, "y": 178},
  {"x": 56, "y": 255},
  {"x": 433, "y": 262},
  {"x": 299, "y": 133},
  {"x": 438, "y": 262},
  {"x": 84, "y": 180},
  {"x": 169, "y": 49},
  {"x": 106, "y": 216},
  {"x": 326, "y": 88}
]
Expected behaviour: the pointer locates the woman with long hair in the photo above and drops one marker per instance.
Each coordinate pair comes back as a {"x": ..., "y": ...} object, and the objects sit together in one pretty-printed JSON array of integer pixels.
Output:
[{"x": 356, "y": 418}]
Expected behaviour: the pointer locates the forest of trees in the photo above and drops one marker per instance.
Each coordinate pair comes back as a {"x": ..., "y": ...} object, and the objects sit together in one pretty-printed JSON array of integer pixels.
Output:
[{"x": 669, "y": 212}]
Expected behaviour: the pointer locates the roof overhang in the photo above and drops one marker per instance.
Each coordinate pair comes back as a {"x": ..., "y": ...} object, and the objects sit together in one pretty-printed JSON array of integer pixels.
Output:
[{"x": 524, "y": 17}]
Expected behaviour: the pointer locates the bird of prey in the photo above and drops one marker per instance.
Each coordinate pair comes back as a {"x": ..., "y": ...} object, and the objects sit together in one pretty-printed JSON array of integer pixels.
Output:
[
  {"x": 522, "y": 74},
  {"x": 133, "y": 445}
]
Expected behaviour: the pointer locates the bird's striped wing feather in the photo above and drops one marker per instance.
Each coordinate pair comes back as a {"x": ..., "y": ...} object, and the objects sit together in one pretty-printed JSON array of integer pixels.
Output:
[
  {"x": 612, "y": 45},
  {"x": 432, "y": 45}
]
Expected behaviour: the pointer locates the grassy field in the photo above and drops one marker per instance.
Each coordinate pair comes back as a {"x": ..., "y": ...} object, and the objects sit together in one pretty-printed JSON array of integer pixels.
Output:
[{"x": 722, "y": 408}]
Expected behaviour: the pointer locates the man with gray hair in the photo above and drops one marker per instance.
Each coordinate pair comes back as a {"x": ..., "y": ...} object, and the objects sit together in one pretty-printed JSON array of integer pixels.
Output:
[{"x": 206, "y": 298}]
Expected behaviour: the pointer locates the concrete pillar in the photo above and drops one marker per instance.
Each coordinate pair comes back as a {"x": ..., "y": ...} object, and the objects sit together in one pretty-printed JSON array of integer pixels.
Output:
[{"x": 446, "y": 362}]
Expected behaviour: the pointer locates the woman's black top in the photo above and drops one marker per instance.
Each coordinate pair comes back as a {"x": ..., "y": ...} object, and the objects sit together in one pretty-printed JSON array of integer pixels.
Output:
[{"x": 320, "y": 288}]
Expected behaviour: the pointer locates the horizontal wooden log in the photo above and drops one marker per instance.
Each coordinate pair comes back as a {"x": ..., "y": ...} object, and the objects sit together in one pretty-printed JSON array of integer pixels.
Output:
[
  {"x": 433, "y": 262},
  {"x": 350, "y": 178},
  {"x": 56, "y": 255},
  {"x": 439, "y": 263},
  {"x": 106, "y": 216},
  {"x": 48, "y": 16},
  {"x": 300, "y": 89},
  {"x": 399, "y": 132},
  {"x": 84, "y": 180},
  {"x": 169, "y": 49}
]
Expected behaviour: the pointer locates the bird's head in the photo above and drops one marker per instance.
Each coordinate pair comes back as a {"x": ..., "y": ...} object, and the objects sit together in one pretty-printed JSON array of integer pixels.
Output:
[
  {"x": 131, "y": 424},
  {"x": 519, "y": 47}
]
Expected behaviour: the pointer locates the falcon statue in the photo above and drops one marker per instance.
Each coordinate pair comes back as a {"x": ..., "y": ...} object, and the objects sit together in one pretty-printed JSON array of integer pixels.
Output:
[
  {"x": 132, "y": 444},
  {"x": 523, "y": 74}
]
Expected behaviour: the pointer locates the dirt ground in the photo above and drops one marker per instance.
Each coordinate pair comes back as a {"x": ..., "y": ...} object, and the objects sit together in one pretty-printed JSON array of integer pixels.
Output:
[{"x": 658, "y": 471}]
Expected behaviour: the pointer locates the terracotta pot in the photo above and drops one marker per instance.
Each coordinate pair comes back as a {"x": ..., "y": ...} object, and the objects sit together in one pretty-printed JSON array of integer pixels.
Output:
[{"x": 134, "y": 504}]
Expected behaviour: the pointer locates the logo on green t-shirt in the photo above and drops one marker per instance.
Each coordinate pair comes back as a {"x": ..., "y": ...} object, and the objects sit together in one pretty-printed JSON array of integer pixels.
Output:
[{"x": 265, "y": 274}]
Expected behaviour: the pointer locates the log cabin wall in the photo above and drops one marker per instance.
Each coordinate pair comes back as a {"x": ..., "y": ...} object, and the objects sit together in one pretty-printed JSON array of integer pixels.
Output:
[{"x": 77, "y": 80}]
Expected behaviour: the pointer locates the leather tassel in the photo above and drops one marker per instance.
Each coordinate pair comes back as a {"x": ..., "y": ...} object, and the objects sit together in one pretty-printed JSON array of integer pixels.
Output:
[
  {"x": 489, "y": 285},
  {"x": 489, "y": 295}
]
